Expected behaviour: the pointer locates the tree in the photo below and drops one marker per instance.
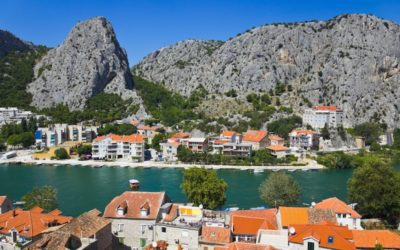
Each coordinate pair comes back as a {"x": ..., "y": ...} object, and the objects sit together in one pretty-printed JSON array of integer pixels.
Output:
[
  {"x": 118, "y": 129},
  {"x": 279, "y": 189},
  {"x": 155, "y": 142},
  {"x": 325, "y": 132},
  {"x": 370, "y": 131},
  {"x": 375, "y": 187},
  {"x": 24, "y": 139},
  {"x": 202, "y": 186},
  {"x": 283, "y": 126},
  {"x": 44, "y": 197},
  {"x": 396, "y": 138},
  {"x": 61, "y": 154},
  {"x": 84, "y": 149}
]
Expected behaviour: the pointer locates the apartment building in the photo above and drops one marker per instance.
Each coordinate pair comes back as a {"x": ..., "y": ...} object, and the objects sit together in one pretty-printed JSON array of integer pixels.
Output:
[
  {"x": 114, "y": 147},
  {"x": 318, "y": 116},
  {"x": 13, "y": 115}
]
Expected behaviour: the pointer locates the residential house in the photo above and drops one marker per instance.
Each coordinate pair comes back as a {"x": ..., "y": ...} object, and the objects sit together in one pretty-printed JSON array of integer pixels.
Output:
[
  {"x": 257, "y": 138},
  {"x": 345, "y": 215},
  {"x": 318, "y": 116},
  {"x": 88, "y": 231},
  {"x": 278, "y": 150},
  {"x": 275, "y": 140},
  {"x": 230, "y": 143},
  {"x": 303, "y": 138},
  {"x": 245, "y": 224},
  {"x": 196, "y": 144},
  {"x": 148, "y": 132},
  {"x": 114, "y": 147},
  {"x": 170, "y": 150},
  {"x": 320, "y": 236},
  {"x": 303, "y": 215},
  {"x": 134, "y": 216},
  {"x": 21, "y": 227},
  {"x": 179, "y": 226},
  {"x": 179, "y": 136},
  {"x": 5, "y": 204}
]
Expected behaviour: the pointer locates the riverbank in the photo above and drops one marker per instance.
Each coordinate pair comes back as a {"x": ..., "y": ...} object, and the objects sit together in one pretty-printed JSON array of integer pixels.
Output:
[{"x": 312, "y": 165}]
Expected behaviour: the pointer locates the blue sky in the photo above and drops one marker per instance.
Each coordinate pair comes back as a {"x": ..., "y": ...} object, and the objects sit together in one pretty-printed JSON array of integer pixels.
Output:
[{"x": 146, "y": 25}]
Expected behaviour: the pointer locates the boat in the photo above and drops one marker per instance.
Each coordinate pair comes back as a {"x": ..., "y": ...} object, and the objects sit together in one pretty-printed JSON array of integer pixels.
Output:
[
  {"x": 134, "y": 184},
  {"x": 305, "y": 169},
  {"x": 256, "y": 171},
  {"x": 275, "y": 170},
  {"x": 292, "y": 170},
  {"x": 231, "y": 209}
]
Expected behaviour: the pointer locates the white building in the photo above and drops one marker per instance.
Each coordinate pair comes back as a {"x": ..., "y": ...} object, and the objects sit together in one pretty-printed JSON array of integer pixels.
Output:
[
  {"x": 170, "y": 150},
  {"x": 318, "y": 116},
  {"x": 51, "y": 136},
  {"x": 113, "y": 147},
  {"x": 196, "y": 144},
  {"x": 303, "y": 138},
  {"x": 345, "y": 215},
  {"x": 10, "y": 115}
]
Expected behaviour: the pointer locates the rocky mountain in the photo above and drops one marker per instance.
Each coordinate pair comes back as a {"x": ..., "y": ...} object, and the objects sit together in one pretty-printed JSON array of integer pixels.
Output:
[
  {"x": 88, "y": 62},
  {"x": 9, "y": 42},
  {"x": 351, "y": 61}
]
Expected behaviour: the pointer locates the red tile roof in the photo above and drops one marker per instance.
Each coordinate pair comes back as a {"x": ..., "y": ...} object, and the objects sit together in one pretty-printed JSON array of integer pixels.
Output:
[
  {"x": 30, "y": 223},
  {"x": 277, "y": 148},
  {"x": 342, "y": 236},
  {"x": 293, "y": 215},
  {"x": 250, "y": 221},
  {"x": 134, "y": 138},
  {"x": 172, "y": 213},
  {"x": 275, "y": 138},
  {"x": 228, "y": 133},
  {"x": 254, "y": 135},
  {"x": 369, "y": 238},
  {"x": 221, "y": 141},
  {"x": 302, "y": 132},
  {"x": 244, "y": 246},
  {"x": 134, "y": 202},
  {"x": 338, "y": 206},
  {"x": 216, "y": 234},
  {"x": 145, "y": 127},
  {"x": 326, "y": 108},
  {"x": 180, "y": 135}
]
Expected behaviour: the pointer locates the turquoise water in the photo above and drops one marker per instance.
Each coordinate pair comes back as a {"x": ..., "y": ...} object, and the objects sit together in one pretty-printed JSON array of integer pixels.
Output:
[{"x": 83, "y": 188}]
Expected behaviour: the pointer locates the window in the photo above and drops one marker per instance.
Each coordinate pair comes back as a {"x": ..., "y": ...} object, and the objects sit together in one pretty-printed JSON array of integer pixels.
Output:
[
  {"x": 120, "y": 227},
  {"x": 330, "y": 239},
  {"x": 310, "y": 246},
  {"x": 163, "y": 229}
]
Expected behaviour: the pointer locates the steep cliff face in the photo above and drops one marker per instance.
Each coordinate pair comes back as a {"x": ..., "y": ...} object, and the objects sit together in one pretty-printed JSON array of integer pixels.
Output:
[
  {"x": 351, "y": 61},
  {"x": 88, "y": 62},
  {"x": 9, "y": 42}
]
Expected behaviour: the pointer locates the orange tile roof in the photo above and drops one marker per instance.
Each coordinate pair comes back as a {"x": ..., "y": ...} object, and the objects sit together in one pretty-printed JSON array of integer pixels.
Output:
[
  {"x": 244, "y": 246},
  {"x": 250, "y": 221},
  {"x": 172, "y": 213},
  {"x": 180, "y": 135},
  {"x": 29, "y": 223},
  {"x": 275, "y": 138},
  {"x": 277, "y": 148},
  {"x": 134, "y": 138},
  {"x": 254, "y": 135},
  {"x": 228, "y": 133},
  {"x": 342, "y": 236},
  {"x": 338, "y": 206},
  {"x": 221, "y": 141},
  {"x": 134, "y": 201},
  {"x": 2, "y": 199},
  {"x": 326, "y": 108},
  {"x": 135, "y": 122},
  {"x": 145, "y": 127},
  {"x": 216, "y": 234},
  {"x": 369, "y": 238},
  {"x": 293, "y": 215},
  {"x": 303, "y": 131}
]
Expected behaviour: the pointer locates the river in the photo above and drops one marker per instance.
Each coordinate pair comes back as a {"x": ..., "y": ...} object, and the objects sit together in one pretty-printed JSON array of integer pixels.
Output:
[{"x": 83, "y": 188}]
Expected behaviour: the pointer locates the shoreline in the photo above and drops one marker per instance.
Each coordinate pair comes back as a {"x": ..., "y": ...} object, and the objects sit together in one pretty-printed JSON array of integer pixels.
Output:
[{"x": 312, "y": 165}]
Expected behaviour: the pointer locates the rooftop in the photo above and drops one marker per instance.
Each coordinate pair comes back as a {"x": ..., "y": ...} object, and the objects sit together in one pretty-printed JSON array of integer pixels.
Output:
[
  {"x": 228, "y": 133},
  {"x": 326, "y": 108},
  {"x": 2, "y": 199},
  {"x": 250, "y": 221},
  {"x": 254, "y": 135},
  {"x": 277, "y": 148},
  {"x": 30, "y": 223},
  {"x": 369, "y": 238},
  {"x": 132, "y": 202},
  {"x": 216, "y": 234},
  {"x": 134, "y": 138},
  {"x": 337, "y": 206},
  {"x": 275, "y": 137},
  {"x": 244, "y": 246}
]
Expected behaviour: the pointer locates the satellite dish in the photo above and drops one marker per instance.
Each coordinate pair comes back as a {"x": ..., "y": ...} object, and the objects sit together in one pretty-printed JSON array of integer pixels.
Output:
[
  {"x": 292, "y": 230},
  {"x": 154, "y": 244},
  {"x": 313, "y": 204},
  {"x": 201, "y": 206}
]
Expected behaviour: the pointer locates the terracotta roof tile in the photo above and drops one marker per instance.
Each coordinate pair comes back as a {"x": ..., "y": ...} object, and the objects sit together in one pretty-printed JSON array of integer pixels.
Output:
[
  {"x": 134, "y": 201},
  {"x": 228, "y": 133},
  {"x": 216, "y": 234},
  {"x": 250, "y": 221},
  {"x": 277, "y": 148},
  {"x": 293, "y": 215},
  {"x": 341, "y": 236},
  {"x": 254, "y": 135},
  {"x": 337, "y": 206},
  {"x": 300, "y": 132},
  {"x": 86, "y": 225},
  {"x": 244, "y": 246},
  {"x": 275, "y": 138},
  {"x": 369, "y": 238},
  {"x": 134, "y": 138},
  {"x": 172, "y": 213},
  {"x": 2, "y": 199},
  {"x": 29, "y": 223},
  {"x": 326, "y": 108},
  {"x": 180, "y": 135}
]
